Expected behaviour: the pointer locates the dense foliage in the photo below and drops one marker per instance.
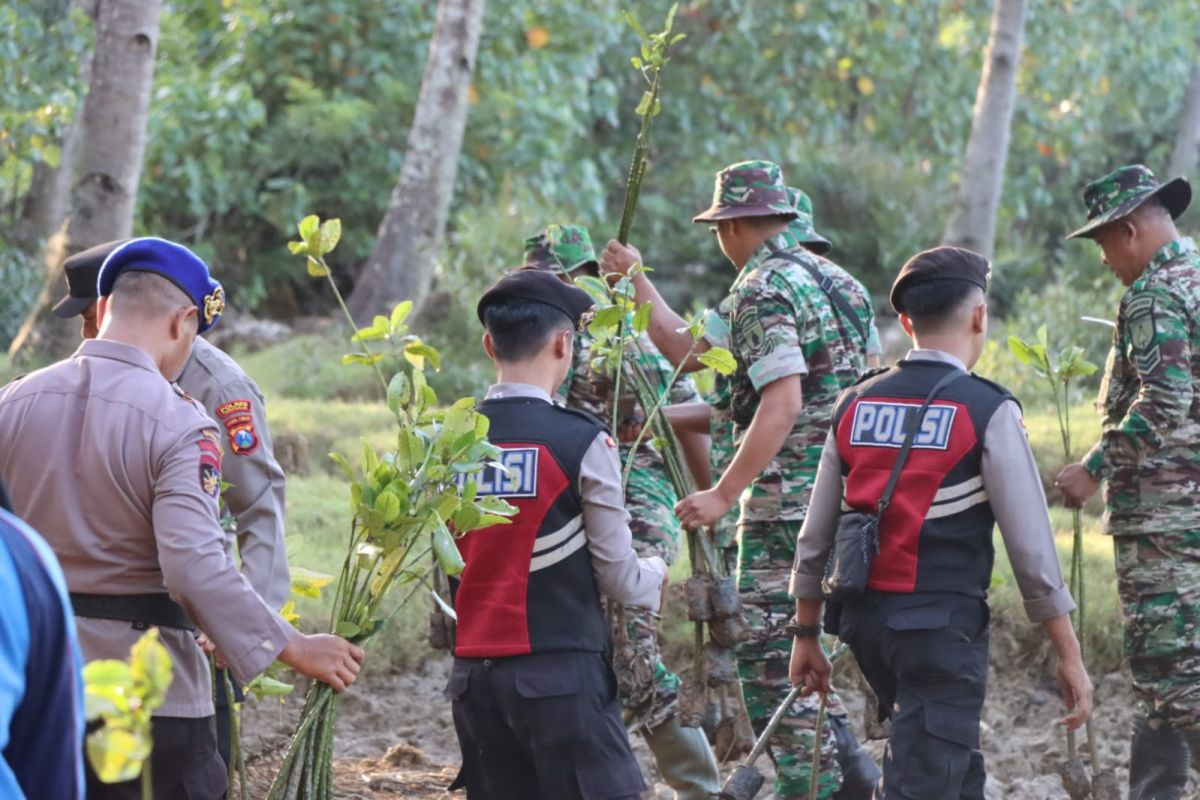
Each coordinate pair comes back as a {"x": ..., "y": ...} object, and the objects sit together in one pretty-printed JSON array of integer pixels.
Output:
[{"x": 264, "y": 108}]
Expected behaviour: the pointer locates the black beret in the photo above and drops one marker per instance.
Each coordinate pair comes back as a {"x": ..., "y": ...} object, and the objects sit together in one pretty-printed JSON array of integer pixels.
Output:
[
  {"x": 537, "y": 286},
  {"x": 83, "y": 272},
  {"x": 940, "y": 264}
]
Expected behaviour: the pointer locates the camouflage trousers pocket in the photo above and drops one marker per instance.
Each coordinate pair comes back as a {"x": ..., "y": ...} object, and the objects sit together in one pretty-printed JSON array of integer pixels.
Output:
[{"x": 648, "y": 689}]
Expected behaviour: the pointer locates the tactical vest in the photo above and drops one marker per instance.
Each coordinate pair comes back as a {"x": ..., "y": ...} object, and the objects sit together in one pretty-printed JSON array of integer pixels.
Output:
[
  {"x": 937, "y": 533},
  {"x": 528, "y": 586}
]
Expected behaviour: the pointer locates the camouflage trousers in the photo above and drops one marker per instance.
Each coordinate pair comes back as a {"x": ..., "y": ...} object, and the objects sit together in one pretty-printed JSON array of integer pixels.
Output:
[
  {"x": 765, "y": 555},
  {"x": 649, "y": 691},
  {"x": 1158, "y": 580}
]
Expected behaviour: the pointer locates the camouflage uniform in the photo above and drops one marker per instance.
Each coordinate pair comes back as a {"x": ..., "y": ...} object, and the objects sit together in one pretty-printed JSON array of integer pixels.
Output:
[
  {"x": 1149, "y": 455},
  {"x": 649, "y": 496},
  {"x": 778, "y": 322}
]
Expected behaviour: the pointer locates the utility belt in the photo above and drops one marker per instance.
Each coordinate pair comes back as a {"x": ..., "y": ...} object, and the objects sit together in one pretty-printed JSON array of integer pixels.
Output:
[{"x": 143, "y": 610}]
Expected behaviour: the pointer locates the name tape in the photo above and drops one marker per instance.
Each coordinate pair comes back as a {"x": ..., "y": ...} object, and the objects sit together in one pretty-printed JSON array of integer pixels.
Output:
[
  {"x": 879, "y": 424},
  {"x": 515, "y": 475}
]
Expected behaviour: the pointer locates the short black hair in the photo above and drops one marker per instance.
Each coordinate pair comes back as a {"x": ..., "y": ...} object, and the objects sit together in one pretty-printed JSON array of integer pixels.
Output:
[
  {"x": 521, "y": 328},
  {"x": 930, "y": 304}
]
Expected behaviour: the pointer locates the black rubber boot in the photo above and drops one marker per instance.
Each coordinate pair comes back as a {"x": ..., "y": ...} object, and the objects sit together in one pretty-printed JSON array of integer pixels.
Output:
[
  {"x": 1158, "y": 762},
  {"x": 860, "y": 775}
]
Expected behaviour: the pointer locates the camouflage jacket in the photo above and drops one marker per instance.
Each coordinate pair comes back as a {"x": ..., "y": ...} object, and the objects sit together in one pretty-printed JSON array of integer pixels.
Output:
[
  {"x": 588, "y": 389},
  {"x": 1150, "y": 446},
  {"x": 778, "y": 322}
]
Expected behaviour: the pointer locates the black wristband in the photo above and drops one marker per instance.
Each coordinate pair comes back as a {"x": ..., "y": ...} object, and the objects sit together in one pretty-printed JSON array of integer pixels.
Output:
[{"x": 799, "y": 631}]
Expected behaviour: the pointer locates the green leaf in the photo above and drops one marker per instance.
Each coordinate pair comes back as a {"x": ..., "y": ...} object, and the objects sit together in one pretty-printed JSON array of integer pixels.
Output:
[
  {"x": 309, "y": 226},
  {"x": 643, "y": 107},
  {"x": 331, "y": 234},
  {"x": 1020, "y": 349},
  {"x": 448, "y": 556},
  {"x": 719, "y": 359},
  {"x": 633, "y": 23},
  {"x": 117, "y": 754},
  {"x": 388, "y": 506},
  {"x": 346, "y": 629},
  {"x": 108, "y": 687},
  {"x": 637, "y": 62},
  {"x": 343, "y": 464},
  {"x": 307, "y": 583},
  {"x": 362, "y": 358},
  {"x": 371, "y": 334},
  {"x": 670, "y": 18},
  {"x": 297, "y": 247},
  {"x": 677, "y": 38},
  {"x": 400, "y": 313},
  {"x": 398, "y": 393},
  {"x": 641, "y": 319},
  {"x": 265, "y": 686},
  {"x": 315, "y": 268},
  {"x": 417, "y": 353},
  {"x": 150, "y": 669}
]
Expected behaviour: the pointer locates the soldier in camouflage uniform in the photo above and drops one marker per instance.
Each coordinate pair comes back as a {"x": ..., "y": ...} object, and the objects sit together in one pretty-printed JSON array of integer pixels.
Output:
[
  {"x": 795, "y": 352},
  {"x": 1149, "y": 454},
  {"x": 649, "y": 689}
]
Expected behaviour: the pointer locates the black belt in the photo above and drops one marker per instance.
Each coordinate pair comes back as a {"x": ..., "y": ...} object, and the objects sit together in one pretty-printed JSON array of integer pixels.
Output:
[{"x": 143, "y": 610}]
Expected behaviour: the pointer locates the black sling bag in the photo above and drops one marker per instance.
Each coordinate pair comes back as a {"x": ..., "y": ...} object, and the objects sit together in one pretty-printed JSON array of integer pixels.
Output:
[{"x": 856, "y": 542}]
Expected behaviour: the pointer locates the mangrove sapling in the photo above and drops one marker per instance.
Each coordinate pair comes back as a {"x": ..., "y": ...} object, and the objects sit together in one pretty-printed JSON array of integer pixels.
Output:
[{"x": 405, "y": 503}]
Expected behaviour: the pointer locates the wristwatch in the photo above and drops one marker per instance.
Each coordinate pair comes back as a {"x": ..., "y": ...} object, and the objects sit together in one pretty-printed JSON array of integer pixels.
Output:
[{"x": 795, "y": 629}]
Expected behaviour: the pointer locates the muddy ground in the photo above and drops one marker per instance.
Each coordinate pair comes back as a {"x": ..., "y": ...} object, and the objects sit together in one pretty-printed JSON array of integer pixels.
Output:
[{"x": 396, "y": 740}]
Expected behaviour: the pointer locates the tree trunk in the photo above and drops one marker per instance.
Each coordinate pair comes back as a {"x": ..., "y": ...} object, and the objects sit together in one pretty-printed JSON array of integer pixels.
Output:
[
  {"x": 973, "y": 222},
  {"x": 401, "y": 264},
  {"x": 112, "y": 131},
  {"x": 1187, "y": 139}
]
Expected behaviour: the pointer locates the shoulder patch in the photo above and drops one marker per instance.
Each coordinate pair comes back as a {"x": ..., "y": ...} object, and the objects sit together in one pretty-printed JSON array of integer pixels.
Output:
[
  {"x": 238, "y": 418},
  {"x": 210, "y": 463},
  {"x": 1140, "y": 322}
]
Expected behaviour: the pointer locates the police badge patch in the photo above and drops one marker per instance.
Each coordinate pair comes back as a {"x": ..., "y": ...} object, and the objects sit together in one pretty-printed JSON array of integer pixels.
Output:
[
  {"x": 238, "y": 418},
  {"x": 1140, "y": 324},
  {"x": 210, "y": 466}
]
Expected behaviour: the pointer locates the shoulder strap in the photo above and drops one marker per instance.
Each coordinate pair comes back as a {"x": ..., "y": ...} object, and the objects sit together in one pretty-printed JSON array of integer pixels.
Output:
[
  {"x": 910, "y": 436},
  {"x": 831, "y": 291}
]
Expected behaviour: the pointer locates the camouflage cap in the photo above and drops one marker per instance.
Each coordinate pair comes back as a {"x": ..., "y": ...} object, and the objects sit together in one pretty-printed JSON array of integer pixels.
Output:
[
  {"x": 1123, "y": 190},
  {"x": 567, "y": 245},
  {"x": 802, "y": 226},
  {"x": 748, "y": 189}
]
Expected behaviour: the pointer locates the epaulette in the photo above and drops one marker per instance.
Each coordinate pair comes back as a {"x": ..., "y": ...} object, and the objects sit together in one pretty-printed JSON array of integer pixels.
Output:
[
  {"x": 998, "y": 387},
  {"x": 179, "y": 390},
  {"x": 871, "y": 373}
]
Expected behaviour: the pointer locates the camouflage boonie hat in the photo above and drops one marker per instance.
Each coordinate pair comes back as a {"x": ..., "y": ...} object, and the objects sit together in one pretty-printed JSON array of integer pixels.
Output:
[
  {"x": 748, "y": 189},
  {"x": 802, "y": 226},
  {"x": 568, "y": 245},
  {"x": 1123, "y": 190}
]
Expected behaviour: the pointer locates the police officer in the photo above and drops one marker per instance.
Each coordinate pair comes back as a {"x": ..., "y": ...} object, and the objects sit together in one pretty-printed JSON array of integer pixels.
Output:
[
  {"x": 796, "y": 349},
  {"x": 120, "y": 470},
  {"x": 256, "y": 485},
  {"x": 649, "y": 690},
  {"x": 41, "y": 690},
  {"x": 921, "y": 633},
  {"x": 1150, "y": 456},
  {"x": 533, "y": 693}
]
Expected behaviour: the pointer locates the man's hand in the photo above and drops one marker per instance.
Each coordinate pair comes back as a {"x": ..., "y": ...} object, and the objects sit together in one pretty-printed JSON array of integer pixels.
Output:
[
  {"x": 325, "y": 657},
  {"x": 703, "y": 508},
  {"x": 1076, "y": 485},
  {"x": 1076, "y": 689},
  {"x": 810, "y": 666},
  {"x": 617, "y": 258}
]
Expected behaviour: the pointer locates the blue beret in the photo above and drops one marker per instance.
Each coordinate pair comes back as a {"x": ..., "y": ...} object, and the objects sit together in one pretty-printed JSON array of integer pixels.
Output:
[{"x": 174, "y": 262}]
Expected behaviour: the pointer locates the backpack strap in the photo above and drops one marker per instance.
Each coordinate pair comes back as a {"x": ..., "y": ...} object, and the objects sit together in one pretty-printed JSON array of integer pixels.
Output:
[{"x": 830, "y": 289}]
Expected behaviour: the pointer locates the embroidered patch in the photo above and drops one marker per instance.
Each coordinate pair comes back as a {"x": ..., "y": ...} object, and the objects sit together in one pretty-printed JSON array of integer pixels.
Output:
[
  {"x": 210, "y": 465},
  {"x": 879, "y": 424},
  {"x": 1140, "y": 322},
  {"x": 515, "y": 474},
  {"x": 238, "y": 418}
]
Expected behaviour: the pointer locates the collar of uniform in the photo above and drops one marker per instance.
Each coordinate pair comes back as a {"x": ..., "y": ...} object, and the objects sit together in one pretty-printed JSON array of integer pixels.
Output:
[
  {"x": 767, "y": 249},
  {"x": 1176, "y": 248},
  {"x": 117, "y": 351},
  {"x": 499, "y": 390},
  {"x": 919, "y": 354}
]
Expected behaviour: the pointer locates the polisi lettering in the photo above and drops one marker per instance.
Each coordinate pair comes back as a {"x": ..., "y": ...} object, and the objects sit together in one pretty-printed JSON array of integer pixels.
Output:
[
  {"x": 883, "y": 424},
  {"x": 514, "y": 474}
]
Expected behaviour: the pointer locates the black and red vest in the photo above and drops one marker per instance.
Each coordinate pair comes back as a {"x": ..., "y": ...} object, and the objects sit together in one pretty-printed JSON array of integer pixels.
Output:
[
  {"x": 528, "y": 586},
  {"x": 937, "y": 533}
]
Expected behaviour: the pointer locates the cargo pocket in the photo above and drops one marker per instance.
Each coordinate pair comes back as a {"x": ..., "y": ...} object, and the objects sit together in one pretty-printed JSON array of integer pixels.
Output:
[
  {"x": 456, "y": 685},
  {"x": 919, "y": 619},
  {"x": 556, "y": 683},
  {"x": 937, "y": 766},
  {"x": 205, "y": 778},
  {"x": 618, "y": 779}
]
